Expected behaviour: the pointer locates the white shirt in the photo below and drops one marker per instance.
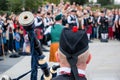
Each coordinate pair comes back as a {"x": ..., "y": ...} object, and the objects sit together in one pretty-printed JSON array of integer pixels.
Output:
[
  {"x": 69, "y": 19},
  {"x": 48, "y": 30},
  {"x": 116, "y": 18},
  {"x": 98, "y": 19},
  {"x": 47, "y": 21},
  {"x": 36, "y": 23},
  {"x": 68, "y": 70}
]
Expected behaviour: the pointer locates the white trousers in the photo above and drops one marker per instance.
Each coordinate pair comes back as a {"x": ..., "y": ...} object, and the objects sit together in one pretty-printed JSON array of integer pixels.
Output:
[
  {"x": 88, "y": 35},
  {"x": 104, "y": 35}
]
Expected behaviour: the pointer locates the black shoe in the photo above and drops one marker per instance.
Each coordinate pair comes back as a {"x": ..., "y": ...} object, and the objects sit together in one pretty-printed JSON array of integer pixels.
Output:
[
  {"x": 104, "y": 40},
  {"x": 14, "y": 56}
]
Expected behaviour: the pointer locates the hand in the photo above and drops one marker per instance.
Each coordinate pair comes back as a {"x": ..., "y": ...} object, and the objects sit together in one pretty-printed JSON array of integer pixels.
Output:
[
  {"x": 1, "y": 31},
  {"x": 73, "y": 21},
  {"x": 67, "y": 25},
  {"x": 99, "y": 23},
  {"x": 50, "y": 23},
  {"x": 106, "y": 20}
]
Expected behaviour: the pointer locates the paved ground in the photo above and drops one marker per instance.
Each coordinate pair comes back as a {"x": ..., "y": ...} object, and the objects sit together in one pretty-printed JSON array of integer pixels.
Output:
[
  {"x": 103, "y": 66},
  {"x": 105, "y": 61},
  {"x": 6, "y": 63}
]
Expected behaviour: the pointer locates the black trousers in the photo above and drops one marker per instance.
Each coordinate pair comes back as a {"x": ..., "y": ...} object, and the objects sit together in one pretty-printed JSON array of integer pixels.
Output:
[{"x": 10, "y": 42}]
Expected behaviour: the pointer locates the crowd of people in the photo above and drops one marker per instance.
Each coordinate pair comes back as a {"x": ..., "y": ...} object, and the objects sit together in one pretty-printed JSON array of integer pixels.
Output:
[{"x": 99, "y": 24}]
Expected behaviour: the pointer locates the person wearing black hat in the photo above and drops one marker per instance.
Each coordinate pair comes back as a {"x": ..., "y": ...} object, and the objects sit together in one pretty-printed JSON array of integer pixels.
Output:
[
  {"x": 55, "y": 32},
  {"x": 73, "y": 55},
  {"x": 87, "y": 24},
  {"x": 48, "y": 22},
  {"x": 38, "y": 23},
  {"x": 103, "y": 29},
  {"x": 72, "y": 19}
]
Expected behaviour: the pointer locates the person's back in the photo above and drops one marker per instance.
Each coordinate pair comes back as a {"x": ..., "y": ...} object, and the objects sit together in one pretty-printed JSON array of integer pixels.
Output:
[
  {"x": 73, "y": 55},
  {"x": 56, "y": 32},
  {"x": 55, "y": 37}
]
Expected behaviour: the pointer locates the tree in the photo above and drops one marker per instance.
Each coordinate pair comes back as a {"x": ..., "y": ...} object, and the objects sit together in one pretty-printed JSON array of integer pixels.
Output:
[
  {"x": 105, "y": 2},
  {"x": 32, "y": 4},
  {"x": 3, "y": 5},
  {"x": 17, "y": 5},
  {"x": 53, "y": 1},
  {"x": 81, "y": 2},
  {"x": 14, "y": 5}
]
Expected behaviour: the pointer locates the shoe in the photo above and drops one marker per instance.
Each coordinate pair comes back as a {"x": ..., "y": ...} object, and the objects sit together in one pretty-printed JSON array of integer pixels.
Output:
[
  {"x": 9, "y": 52},
  {"x": 14, "y": 56},
  {"x": 104, "y": 40},
  {"x": 14, "y": 51}
]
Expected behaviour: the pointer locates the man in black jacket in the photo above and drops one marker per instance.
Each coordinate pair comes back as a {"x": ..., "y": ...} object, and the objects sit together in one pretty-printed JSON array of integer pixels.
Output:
[{"x": 103, "y": 29}]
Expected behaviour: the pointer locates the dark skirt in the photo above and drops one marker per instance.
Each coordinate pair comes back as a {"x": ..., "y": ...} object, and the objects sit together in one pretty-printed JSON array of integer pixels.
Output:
[
  {"x": 103, "y": 29},
  {"x": 89, "y": 29},
  {"x": 110, "y": 33}
]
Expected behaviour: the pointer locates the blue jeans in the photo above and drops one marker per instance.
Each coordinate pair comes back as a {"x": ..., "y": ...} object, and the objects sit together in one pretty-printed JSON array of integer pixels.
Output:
[{"x": 94, "y": 32}]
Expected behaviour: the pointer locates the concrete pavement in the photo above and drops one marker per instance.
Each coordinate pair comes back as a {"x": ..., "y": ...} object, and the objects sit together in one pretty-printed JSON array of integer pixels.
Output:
[
  {"x": 105, "y": 61},
  {"x": 6, "y": 63},
  {"x": 104, "y": 65}
]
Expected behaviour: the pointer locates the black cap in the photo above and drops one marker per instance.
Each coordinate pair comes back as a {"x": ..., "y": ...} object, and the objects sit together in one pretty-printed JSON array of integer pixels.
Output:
[{"x": 72, "y": 44}]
